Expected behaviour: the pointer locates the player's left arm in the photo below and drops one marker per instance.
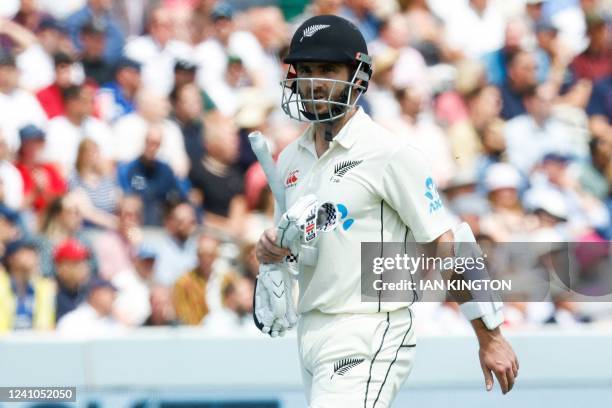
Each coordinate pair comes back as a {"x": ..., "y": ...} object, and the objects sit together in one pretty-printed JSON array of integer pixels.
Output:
[{"x": 496, "y": 355}]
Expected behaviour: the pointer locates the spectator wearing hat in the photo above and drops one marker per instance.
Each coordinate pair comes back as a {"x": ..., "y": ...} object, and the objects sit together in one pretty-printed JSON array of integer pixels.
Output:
[
  {"x": 585, "y": 212},
  {"x": 65, "y": 132},
  {"x": 507, "y": 220},
  {"x": 97, "y": 68},
  {"x": 10, "y": 222},
  {"x": 19, "y": 107},
  {"x": 218, "y": 181},
  {"x": 42, "y": 182},
  {"x": 99, "y": 11},
  {"x": 27, "y": 300},
  {"x": 213, "y": 56},
  {"x": 531, "y": 135},
  {"x": 93, "y": 317},
  {"x": 185, "y": 74},
  {"x": 594, "y": 62},
  {"x": 72, "y": 273},
  {"x": 195, "y": 290},
  {"x": 118, "y": 246},
  {"x": 158, "y": 51},
  {"x": 51, "y": 98},
  {"x": 117, "y": 98},
  {"x": 10, "y": 178},
  {"x": 151, "y": 179},
  {"x": 132, "y": 306}
]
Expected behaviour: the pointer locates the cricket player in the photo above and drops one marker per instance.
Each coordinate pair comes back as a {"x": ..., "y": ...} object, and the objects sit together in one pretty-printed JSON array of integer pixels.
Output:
[{"x": 354, "y": 353}]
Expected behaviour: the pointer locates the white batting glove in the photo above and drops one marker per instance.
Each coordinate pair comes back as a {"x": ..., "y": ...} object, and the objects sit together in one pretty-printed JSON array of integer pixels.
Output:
[{"x": 274, "y": 310}]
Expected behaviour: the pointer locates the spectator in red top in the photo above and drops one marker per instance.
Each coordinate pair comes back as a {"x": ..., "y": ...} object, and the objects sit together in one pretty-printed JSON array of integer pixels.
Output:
[
  {"x": 50, "y": 98},
  {"x": 596, "y": 61},
  {"x": 41, "y": 181}
]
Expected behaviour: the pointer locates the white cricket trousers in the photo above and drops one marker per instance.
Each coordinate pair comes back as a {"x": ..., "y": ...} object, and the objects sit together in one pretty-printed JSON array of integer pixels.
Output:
[{"x": 355, "y": 360}]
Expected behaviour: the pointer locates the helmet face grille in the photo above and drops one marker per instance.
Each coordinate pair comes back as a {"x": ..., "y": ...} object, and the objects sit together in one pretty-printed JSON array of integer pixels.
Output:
[{"x": 304, "y": 107}]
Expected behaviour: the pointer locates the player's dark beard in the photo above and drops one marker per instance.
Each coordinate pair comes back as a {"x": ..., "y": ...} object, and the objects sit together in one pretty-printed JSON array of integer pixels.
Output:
[{"x": 335, "y": 109}]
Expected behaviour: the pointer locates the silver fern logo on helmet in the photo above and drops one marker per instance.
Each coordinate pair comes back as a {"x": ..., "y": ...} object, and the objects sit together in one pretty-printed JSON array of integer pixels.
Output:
[{"x": 312, "y": 30}]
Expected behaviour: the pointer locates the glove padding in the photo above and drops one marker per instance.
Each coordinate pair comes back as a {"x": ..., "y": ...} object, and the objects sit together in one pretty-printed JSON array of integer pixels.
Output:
[{"x": 274, "y": 310}]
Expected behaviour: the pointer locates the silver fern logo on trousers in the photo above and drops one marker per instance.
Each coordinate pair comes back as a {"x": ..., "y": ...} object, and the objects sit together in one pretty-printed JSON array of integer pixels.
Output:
[
  {"x": 312, "y": 30},
  {"x": 343, "y": 366}
]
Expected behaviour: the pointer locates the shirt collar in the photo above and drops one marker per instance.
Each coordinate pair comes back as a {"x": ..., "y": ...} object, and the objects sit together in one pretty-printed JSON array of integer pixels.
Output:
[{"x": 344, "y": 137}]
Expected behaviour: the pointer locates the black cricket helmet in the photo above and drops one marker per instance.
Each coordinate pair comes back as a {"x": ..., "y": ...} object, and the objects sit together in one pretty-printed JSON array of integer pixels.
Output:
[{"x": 326, "y": 38}]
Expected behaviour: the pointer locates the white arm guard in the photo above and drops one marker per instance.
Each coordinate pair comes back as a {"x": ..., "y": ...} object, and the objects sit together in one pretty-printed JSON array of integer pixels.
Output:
[{"x": 490, "y": 311}]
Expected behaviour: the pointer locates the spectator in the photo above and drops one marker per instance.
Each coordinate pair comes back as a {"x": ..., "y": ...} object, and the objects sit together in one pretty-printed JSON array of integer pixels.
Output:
[
  {"x": 19, "y": 108},
  {"x": 130, "y": 131},
  {"x": 475, "y": 30},
  {"x": 507, "y": 220},
  {"x": 157, "y": 52},
  {"x": 226, "y": 45},
  {"x": 9, "y": 227},
  {"x": 66, "y": 132},
  {"x": 594, "y": 173},
  {"x": 235, "y": 317},
  {"x": 426, "y": 31},
  {"x": 93, "y": 317},
  {"x": 361, "y": 13},
  {"x": 63, "y": 220},
  {"x": 531, "y": 135},
  {"x": 10, "y": 178},
  {"x": 132, "y": 17},
  {"x": 217, "y": 181},
  {"x": 41, "y": 180},
  {"x": 73, "y": 273},
  {"x": 381, "y": 95},
  {"x": 93, "y": 39},
  {"x": 521, "y": 78},
  {"x": 418, "y": 125},
  {"x": 117, "y": 98},
  {"x": 188, "y": 114},
  {"x": 98, "y": 10},
  {"x": 26, "y": 298},
  {"x": 29, "y": 15},
  {"x": 594, "y": 62},
  {"x": 198, "y": 291},
  {"x": 51, "y": 98},
  {"x": 483, "y": 106},
  {"x": 151, "y": 179},
  {"x": 92, "y": 178},
  {"x": 176, "y": 248},
  {"x": 162, "y": 311},
  {"x": 496, "y": 61},
  {"x": 117, "y": 247},
  {"x": 599, "y": 109},
  {"x": 132, "y": 306}
]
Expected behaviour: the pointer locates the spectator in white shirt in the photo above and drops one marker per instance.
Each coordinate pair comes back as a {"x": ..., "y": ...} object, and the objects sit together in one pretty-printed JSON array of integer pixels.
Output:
[
  {"x": 18, "y": 107},
  {"x": 65, "y": 132},
  {"x": 132, "y": 306},
  {"x": 10, "y": 178},
  {"x": 476, "y": 29},
  {"x": 530, "y": 136},
  {"x": 130, "y": 131},
  {"x": 92, "y": 318},
  {"x": 157, "y": 52}
]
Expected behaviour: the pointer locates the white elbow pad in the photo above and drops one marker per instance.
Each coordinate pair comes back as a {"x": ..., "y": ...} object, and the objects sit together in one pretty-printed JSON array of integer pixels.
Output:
[{"x": 490, "y": 313}]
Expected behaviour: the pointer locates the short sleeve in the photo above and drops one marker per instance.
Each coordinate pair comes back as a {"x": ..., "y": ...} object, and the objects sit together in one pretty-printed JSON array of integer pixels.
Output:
[{"x": 409, "y": 189}]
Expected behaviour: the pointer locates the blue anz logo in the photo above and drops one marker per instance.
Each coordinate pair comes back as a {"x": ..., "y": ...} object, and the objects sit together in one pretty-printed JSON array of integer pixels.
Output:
[
  {"x": 346, "y": 222},
  {"x": 432, "y": 195}
]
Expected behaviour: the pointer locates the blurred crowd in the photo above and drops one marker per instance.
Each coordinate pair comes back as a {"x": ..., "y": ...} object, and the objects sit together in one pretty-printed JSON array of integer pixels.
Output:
[{"x": 129, "y": 194}]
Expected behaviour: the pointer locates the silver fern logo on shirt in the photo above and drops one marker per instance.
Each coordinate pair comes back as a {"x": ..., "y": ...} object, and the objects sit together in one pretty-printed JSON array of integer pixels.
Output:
[
  {"x": 340, "y": 169},
  {"x": 312, "y": 30}
]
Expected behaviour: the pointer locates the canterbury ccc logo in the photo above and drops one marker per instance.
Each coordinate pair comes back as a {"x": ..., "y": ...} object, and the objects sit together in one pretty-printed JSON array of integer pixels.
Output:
[{"x": 310, "y": 31}]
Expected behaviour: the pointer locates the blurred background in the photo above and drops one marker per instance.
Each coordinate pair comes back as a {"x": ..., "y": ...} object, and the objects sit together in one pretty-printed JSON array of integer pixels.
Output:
[{"x": 130, "y": 201}]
